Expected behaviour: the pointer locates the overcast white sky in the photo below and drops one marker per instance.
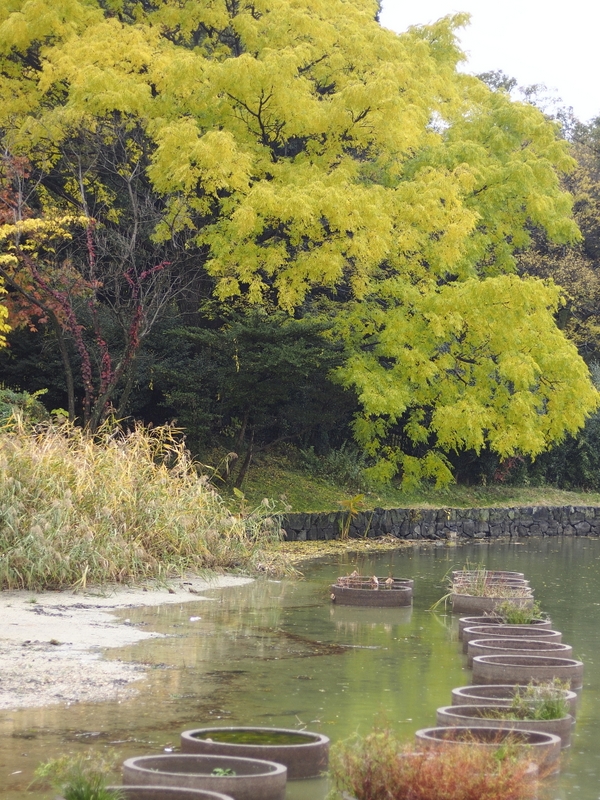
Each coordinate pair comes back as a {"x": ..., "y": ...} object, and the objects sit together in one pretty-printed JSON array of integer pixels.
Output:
[{"x": 534, "y": 41}]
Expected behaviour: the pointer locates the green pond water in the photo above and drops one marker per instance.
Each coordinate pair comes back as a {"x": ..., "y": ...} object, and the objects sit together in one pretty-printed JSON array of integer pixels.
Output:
[
  {"x": 255, "y": 737},
  {"x": 281, "y": 654}
]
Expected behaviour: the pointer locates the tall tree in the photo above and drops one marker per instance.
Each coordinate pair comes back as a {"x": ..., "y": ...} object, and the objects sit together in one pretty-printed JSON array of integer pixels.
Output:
[{"x": 303, "y": 152}]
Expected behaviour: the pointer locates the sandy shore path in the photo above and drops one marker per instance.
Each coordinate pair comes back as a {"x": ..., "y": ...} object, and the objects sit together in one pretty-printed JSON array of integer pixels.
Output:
[{"x": 51, "y": 643}]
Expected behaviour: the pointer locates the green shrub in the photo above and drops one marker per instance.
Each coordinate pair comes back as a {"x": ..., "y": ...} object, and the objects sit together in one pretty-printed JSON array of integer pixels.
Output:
[
  {"x": 344, "y": 466},
  {"x": 22, "y": 405}
]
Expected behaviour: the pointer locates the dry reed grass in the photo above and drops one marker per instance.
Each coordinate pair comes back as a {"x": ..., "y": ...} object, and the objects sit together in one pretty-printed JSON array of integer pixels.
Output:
[{"x": 78, "y": 510}]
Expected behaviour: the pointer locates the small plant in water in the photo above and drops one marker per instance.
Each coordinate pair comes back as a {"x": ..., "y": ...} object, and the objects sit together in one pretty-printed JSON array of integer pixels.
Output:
[
  {"x": 223, "y": 772},
  {"x": 379, "y": 767},
  {"x": 83, "y": 787},
  {"x": 80, "y": 778},
  {"x": 542, "y": 701},
  {"x": 512, "y": 614}
]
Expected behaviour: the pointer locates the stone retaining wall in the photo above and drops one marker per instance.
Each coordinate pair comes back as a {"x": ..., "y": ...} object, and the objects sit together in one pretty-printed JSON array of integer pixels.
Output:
[{"x": 448, "y": 523}]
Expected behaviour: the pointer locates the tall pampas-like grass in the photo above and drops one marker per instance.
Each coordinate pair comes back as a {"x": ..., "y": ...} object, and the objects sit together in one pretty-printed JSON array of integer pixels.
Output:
[{"x": 116, "y": 507}]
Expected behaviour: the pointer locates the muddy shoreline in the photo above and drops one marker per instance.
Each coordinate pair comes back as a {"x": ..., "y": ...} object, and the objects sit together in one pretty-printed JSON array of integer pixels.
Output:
[{"x": 52, "y": 643}]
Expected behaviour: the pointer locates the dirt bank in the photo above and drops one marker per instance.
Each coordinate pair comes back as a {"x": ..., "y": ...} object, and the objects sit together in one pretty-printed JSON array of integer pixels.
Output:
[{"x": 51, "y": 643}]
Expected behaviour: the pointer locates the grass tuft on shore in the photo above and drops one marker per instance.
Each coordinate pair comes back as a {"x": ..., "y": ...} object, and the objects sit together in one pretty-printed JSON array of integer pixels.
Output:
[{"x": 78, "y": 510}]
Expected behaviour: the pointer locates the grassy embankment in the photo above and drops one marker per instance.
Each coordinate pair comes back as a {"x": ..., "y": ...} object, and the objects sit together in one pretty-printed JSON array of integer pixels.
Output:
[
  {"x": 279, "y": 478},
  {"x": 76, "y": 511}
]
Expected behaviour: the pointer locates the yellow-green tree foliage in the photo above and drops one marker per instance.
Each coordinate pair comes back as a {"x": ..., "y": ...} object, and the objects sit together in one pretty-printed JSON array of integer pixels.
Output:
[{"x": 310, "y": 154}]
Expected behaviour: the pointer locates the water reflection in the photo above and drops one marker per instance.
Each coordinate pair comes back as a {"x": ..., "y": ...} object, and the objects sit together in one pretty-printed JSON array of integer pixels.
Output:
[
  {"x": 279, "y": 653},
  {"x": 354, "y": 619}
]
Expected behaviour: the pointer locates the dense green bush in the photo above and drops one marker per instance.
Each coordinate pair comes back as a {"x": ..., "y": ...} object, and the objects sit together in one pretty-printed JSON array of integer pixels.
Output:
[
  {"x": 22, "y": 404},
  {"x": 344, "y": 466}
]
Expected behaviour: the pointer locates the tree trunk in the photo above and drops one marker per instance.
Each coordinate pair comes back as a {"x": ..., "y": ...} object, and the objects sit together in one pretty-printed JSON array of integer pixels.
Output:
[
  {"x": 247, "y": 461},
  {"x": 64, "y": 353},
  {"x": 242, "y": 433},
  {"x": 127, "y": 390}
]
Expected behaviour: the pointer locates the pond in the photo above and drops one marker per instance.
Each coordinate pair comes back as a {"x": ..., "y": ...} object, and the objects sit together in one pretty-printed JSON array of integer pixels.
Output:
[{"x": 281, "y": 654}]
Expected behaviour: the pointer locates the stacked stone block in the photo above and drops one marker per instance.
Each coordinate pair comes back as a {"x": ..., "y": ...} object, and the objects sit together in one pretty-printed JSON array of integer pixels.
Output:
[{"x": 447, "y": 523}]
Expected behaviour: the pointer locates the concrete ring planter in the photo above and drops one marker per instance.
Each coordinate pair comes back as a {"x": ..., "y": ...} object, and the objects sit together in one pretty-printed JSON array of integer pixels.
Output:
[
  {"x": 479, "y": 715},
  {"x": 367, "y": 582},
  {"x": 523, "y": 669},
  {"x": 305, "y": 754},
  {"x": 361, "y": 591},
  {"x": 254, "y": 779},
  {"x": 514, "y": 646},
  {"x": 544, "y": 748},
  {"x": 509, "y": 631},
  {"x": 474, "y": 604},
  {"x": 166, "y": 793},
  {"x": 501, "y": 695},
  {"x": 469, "y": 622}
]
